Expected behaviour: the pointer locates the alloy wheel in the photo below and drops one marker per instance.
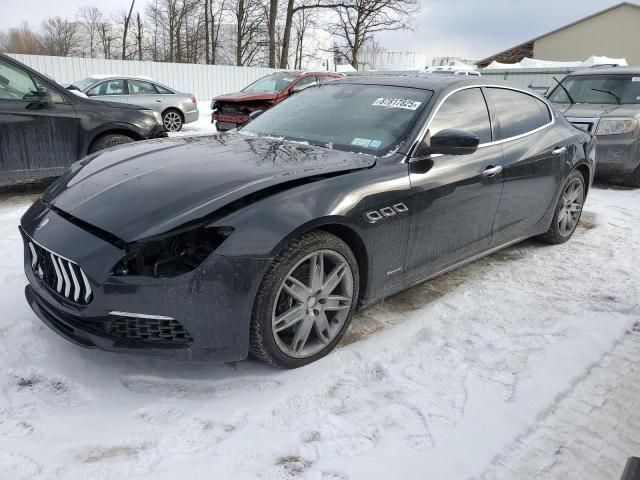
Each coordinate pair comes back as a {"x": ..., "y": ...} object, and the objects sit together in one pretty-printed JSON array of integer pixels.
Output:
[
  {"x": 570, "y": 207},
  {"x": 172, "y": 121},
  {"x": 312, "y": 304}
]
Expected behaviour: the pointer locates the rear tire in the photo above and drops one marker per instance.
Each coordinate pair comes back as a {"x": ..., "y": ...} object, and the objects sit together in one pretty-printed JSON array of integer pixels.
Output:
[
  {"x": 108, "y": 141},
  {"x": 172, "y": 120},
  {"x": 568, "y": 210},
  {"x": 306, "y": 301}
]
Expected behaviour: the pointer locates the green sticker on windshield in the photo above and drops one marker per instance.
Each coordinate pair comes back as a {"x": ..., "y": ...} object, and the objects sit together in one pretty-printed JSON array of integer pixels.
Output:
[
  {"x": 361, "y": 142},
  {"x": 366, "y": 143}
]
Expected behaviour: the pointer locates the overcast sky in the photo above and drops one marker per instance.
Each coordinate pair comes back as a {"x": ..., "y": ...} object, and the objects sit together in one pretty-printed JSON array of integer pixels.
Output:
[{"x": 471, "y": 28}]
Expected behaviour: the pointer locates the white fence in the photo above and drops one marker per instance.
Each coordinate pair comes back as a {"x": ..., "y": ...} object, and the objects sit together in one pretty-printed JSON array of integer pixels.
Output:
[{"x": 204, "y": 81}]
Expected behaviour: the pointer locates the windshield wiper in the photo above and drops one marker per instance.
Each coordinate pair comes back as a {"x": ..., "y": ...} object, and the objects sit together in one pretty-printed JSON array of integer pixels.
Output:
[
  {"x": 618, "y": 99},
  {"x": 571, "y": 100}
]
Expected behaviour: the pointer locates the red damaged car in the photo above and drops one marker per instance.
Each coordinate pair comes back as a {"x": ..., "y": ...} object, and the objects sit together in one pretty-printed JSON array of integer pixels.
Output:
[{"x": 233, "y": 109}]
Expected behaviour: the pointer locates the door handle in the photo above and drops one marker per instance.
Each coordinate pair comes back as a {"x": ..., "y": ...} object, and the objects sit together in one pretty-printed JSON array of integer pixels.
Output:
[
  {"x": 158, "y": 100},
  {"x": 559, "y": 150},
  {"x": 492, "y": 171}
]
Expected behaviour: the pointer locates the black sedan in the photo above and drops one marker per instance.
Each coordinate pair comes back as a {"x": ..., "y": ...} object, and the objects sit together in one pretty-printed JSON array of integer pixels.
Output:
[
  {"x": 267, "y": 240},
  {"x": 44, "y": 127}
]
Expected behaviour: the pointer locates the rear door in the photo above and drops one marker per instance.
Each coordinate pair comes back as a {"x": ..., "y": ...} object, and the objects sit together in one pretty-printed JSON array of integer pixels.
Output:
[
  {"x": 532, "y": 166},
  {"x": 144, "y": 94},
  {"x": 37, "y": 139},
  {"x": 454, "y": 197}
]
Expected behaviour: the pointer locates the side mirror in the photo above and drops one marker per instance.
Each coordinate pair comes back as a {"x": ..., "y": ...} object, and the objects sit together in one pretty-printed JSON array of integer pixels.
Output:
[
  {"x": 255, "y": 114},
  {"x": 44, "y": 96},
  {"x": 448, "y": 142}
]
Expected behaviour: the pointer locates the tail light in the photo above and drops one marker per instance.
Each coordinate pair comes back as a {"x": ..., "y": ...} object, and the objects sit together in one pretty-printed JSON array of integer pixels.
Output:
[{"x": 193, "y": 100}]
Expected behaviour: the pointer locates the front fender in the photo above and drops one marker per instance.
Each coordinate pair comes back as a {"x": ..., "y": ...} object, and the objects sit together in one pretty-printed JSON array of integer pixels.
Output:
[{"x": 336, "y": 204}]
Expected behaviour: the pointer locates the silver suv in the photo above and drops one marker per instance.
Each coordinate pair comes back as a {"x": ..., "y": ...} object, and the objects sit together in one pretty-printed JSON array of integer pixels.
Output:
[
  {"x": 176, "y": 108},
  {"x": 606, "y": 102}
]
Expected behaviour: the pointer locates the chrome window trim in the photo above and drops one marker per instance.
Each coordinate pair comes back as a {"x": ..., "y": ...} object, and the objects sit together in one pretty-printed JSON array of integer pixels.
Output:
[{"x": 425, "y": 129}]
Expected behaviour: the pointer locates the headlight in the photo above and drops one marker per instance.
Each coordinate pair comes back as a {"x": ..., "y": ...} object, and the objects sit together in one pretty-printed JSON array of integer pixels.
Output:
[
  {"x": 153, "y": 117},
  {"x": 173, "y": 254},
  {"x": 616, "y": 126}
]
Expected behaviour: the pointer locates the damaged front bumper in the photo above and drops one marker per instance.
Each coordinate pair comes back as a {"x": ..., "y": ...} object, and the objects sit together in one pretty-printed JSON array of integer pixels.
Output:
[{"x": 200, "y": 316}]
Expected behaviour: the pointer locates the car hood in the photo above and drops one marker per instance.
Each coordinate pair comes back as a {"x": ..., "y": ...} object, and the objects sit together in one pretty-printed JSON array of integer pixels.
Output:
[
  {"x": 589, "y": 110},
  {"x": 149, "y": 188},
  {"x": 245, "y": 97}
]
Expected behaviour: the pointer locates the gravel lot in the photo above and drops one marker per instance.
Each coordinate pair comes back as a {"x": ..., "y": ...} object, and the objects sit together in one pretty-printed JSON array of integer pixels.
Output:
[{"x": 523, "y": 364}]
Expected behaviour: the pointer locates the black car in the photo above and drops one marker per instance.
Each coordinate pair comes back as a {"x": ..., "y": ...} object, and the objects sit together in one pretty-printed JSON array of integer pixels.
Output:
[
  {"x": 44, "y": 127},
  {"x": 269, "y": 239},
  {"x": 605, "y": 101}
]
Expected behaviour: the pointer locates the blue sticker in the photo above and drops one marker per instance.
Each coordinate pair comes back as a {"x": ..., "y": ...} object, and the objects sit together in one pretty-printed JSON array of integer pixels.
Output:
[{"x": 375, "y": 144}]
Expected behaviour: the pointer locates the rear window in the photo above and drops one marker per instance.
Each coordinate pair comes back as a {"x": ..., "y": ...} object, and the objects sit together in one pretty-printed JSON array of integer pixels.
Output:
[{"x": 517, "y": 112}]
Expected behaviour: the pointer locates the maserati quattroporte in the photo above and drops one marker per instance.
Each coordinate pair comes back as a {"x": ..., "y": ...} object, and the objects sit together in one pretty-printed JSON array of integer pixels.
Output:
[{"x": 266, "y": 240}]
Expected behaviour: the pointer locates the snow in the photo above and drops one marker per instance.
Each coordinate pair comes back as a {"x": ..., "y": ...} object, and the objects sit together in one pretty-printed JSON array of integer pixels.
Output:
[
  {"x": 537, "y": 63},
  {"x": 432, "y": 383},
  {"x": 202, "y": 126}
]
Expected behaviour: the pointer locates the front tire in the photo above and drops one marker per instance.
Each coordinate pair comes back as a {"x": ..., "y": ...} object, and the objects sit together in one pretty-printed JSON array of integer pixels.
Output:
[
  {"x": 305, "y": 302},
  {"x": 110, "y": 140},
  {"x": 634, "y": 179},
  {"x": 568, "y": 210}
]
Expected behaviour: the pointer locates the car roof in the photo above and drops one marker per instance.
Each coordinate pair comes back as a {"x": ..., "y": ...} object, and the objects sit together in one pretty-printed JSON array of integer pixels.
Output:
[
  {"x": 299, "y": 73},
  {"x": 426, "y": 81},
  {"x": 128, "y": 77},
  {"x": 608, "y": 71}
]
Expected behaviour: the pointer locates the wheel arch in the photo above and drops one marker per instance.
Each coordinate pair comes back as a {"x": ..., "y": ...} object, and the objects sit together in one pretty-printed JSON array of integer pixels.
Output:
[
  {"x": 113, "y": 131},
  {"x": 586, "y": 175},
  {"x": 344, "y": 232},
  {"x": 176, "y": 109}
]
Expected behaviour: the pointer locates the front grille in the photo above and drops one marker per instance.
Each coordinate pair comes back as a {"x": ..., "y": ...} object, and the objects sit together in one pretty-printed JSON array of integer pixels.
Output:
[
  {"x": 148, "y": 329},
  {"x": 60, "y": 274}
]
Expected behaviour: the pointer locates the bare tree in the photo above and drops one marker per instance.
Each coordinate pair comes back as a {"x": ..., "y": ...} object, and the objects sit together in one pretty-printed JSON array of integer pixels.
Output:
[
  {"x": 273, "y": 13},
  {"x": 59, "y": 36},
  {"x": 89, "y": 20},
  {"x": 296, "y": 6},
  {"x": 216, "y": 17},
  {"x": 22, "y": 39},
  {"x": 248, "y": 16},
  {"x": 126, "y": 20},
  {"x": 359, "y": 20},
  {"x": 106, "y": 37}
]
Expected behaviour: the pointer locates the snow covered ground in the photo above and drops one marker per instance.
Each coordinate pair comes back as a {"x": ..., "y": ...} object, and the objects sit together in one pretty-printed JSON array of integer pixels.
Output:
[{"x": 433, "y": 383}]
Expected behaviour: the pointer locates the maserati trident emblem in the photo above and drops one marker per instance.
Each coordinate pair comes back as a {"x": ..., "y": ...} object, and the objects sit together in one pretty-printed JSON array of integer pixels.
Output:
[{"x": 42, "y": 224}]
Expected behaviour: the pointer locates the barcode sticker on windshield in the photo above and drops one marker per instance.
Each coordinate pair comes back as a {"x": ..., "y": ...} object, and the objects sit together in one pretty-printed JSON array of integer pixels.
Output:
[{"x": 397, "y": 103}]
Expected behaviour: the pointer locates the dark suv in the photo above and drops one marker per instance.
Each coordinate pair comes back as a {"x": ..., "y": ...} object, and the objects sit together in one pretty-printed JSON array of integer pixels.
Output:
[
  {"x": 44, "y": 127},
  {"x": 606, "y": 102}
]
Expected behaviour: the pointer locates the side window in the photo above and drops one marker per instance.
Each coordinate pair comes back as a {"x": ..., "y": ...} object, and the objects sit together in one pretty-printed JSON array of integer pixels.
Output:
[
  {"x": 162, "y": 90},
  {"x": 16, "y": 84},
  {"x": 517, "y": 112},
  {"x": 138, "y": 87},
  {"x": 464, "y": 110},
  {"x": 304, "y": 83},
  {"x": 110, "y": 87}
]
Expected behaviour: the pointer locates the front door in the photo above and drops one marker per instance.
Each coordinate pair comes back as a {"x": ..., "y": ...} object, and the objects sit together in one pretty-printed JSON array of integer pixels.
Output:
[
  {"x": 37, "y": 138},
  {"x": 454, "y": 197}
]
